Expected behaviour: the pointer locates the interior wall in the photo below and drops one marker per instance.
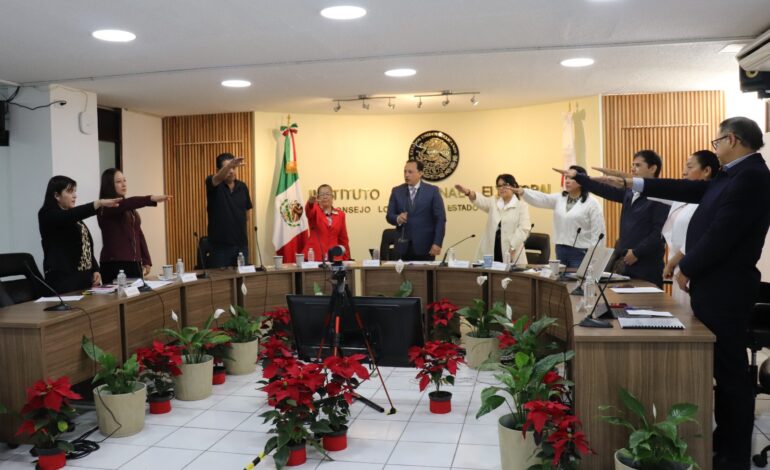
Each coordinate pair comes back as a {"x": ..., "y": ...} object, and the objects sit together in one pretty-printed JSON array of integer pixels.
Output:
[
  {"x": 353, "y": 152},
  {"x": 5, "y": 199},
  {"x": 142, "y": 154}
]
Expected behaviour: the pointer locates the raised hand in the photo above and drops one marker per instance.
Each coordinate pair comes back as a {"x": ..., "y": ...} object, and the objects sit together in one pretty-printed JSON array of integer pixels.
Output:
[
  {"x": 518, "y": 191},
  {"x": 160, "y": 198},
  {"x": 235, "y": 162},
  {"x": 571, "y": 173},
  {"x": 311, "y": 200},
  {"x": 614, "y": 181},
  {"x": 107, "y": 202},
  {"x": 611, "y": 172}
]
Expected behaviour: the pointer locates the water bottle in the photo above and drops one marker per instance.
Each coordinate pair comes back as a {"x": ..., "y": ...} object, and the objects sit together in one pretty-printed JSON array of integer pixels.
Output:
[
  {"x": 589, "y": 285},
  {"x": 122, "y": 282},
  {"x": 241, "y": 260},
  {"x": 310, "y": 255},
  {"x": 450, "y": 256},
  {"x": 179, "y": 268}
]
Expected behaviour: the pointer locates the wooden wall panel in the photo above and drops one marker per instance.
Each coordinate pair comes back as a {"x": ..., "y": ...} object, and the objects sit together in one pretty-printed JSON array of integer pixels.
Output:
[
  {"x": 672, "y": 124},
  {"x": 190, "y": 147}
]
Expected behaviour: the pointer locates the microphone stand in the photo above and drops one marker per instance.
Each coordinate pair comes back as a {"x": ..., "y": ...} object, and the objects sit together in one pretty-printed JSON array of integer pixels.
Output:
[
  {"x": 145, "y": 287},
  {"x": 443, "y": 260},
  {"x": 563, "y": 276},
  {"x": 579, "y": 289},
  {"x": 590, "y": 321},
  {"x": 61, "y": 306},
  {"x": 514, "y": 267},
  {"x": 261, "y": 266},
  {"x": 202, "y": 256}
]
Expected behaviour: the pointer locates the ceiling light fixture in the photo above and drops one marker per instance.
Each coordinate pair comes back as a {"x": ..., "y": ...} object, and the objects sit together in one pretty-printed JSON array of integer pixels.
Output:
[
  {"x": 400, "y": 73},
  {"x": 337, "y": 107},
  {"x": 343, "y": 12},
  {"x": 419, "y": 103},
  {"x": 236, "y": 83},
  {"x": 365, "y": 105},
  {"x": 446, "y": 94},
  {"x": 114, "y": 35},
  {"x": 365, "y": 101},
  {"x": 577, "y": 62},
  {"x": 474, "y": 101},
  {"x": 732, "y": 48},
  {"x": 391, "y": 105},
  {"x": 445, "y": 103}
]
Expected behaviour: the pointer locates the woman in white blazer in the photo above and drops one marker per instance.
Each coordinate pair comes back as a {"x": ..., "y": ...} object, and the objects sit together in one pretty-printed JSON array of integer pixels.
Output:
[
  {"x": 508, "y": 222},
  {"x": 578, "y": 219}
]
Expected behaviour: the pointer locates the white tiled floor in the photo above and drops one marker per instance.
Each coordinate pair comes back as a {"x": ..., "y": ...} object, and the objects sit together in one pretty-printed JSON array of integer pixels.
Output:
[{"x": 224, "y": 432}]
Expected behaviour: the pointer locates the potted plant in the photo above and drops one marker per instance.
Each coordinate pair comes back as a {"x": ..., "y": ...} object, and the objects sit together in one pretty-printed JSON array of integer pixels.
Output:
[
  {"x": 291, "y": 395},
  {"x": 653, "y": 444},
  {"x": 525, "y": 336},
  {"x": 526, "y": 379},
  {"x": 444, "y": 317},
  {"x": 559, "y": 435},
  {"x": 277, "y": 320},
  {"x": 433, "y": 359},
  {"x": 220, "y": 352},
  {"x": 197, "y": 367},
  {"x": 244, "y": 333},
  {"x": 158, "y": 365},
  {"x": 480, "y": 344},
  {"x": 343, "y": 374},
  {"x": 46, "y": 415},
  {"x": 120, "y": 399}
]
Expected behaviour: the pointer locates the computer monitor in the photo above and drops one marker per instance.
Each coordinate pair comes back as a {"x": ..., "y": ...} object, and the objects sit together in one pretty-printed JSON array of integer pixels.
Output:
[{"x": 393, "y": 325}]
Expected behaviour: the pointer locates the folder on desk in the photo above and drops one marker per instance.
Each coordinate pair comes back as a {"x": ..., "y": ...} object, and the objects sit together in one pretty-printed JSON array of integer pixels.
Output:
[{"x": 651, "y": 323}]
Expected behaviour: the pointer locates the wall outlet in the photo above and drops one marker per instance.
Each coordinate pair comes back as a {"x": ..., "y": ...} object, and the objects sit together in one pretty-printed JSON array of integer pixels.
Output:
[{"x": 87, "y": 122}]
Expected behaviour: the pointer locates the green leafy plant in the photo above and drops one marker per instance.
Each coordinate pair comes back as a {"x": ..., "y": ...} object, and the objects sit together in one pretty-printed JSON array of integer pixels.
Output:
[
  {"x": 241, "y": 327},
  {"x": 526, "y": 337},
  {"x": 317, "y": 289},
  {"x": 480, "y": 319},
  {"x": 195, "y": 340},
  {"x": 654, "y": 444},
  {"x": 525, "y": 379},
  {"x": 404, "y": 290},
  {"x": 117, "y": 379}
]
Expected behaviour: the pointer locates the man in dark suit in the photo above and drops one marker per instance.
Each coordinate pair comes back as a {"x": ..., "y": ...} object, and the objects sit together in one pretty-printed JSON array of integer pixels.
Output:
[
  {"x": 417, "y": 210},
  {"x": 724, "y": 242},
  {"x": 640, "y": 245}
]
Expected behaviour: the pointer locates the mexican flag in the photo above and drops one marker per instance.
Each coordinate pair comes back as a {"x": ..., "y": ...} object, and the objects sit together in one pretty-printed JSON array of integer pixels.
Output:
[{"x": 291, "y": 228}]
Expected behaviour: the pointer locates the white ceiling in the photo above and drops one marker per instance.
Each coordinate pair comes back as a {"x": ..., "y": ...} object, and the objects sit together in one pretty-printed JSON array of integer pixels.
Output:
[{"x": 298, "y": 61}]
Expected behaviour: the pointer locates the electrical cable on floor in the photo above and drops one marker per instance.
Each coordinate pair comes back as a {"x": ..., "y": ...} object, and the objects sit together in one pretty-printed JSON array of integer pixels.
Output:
[{"x": 82, "y": 446}]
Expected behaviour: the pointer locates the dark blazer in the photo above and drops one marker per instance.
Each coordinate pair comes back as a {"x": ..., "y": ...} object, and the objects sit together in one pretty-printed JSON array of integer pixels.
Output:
[
  {"x": 122, "y": 236},
  {"x": 60, "y": 236},
  {"x": 725, "y": 236},
  {"x": 640, "y": 225},
  {"x": 426, "y": 223}
]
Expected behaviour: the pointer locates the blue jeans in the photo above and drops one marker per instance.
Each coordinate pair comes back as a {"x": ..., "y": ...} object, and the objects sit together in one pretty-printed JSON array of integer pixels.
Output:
[
  {"x": 570, "y": 256},
  {"x": 226, "y": 255}
]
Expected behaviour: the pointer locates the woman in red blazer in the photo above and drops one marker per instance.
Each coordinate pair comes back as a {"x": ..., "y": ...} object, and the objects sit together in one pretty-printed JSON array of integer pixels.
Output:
[{"x": 327, "y": 224}]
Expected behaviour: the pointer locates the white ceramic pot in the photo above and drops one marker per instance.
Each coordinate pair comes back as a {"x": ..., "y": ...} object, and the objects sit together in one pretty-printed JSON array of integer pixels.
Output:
[
  {"x": 195, "y": 381},
  {"x": 516, "y": 452},
  {"x": 478, "y": 350},
  {"x": 120, "y": 415},
  {"x": 243, "y": 358},
  {"x": 621, "y": 466}
]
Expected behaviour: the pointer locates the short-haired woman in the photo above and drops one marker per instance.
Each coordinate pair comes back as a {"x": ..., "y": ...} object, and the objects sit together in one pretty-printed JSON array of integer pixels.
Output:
[{"x": 327, "y": 224}]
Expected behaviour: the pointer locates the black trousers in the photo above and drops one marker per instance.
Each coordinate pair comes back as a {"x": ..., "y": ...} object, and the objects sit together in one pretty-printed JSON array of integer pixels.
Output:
[
  {"x": 410, "y": 255},
  {"x": 66, "y": 282},
  {"x": 110, "y": 270}
]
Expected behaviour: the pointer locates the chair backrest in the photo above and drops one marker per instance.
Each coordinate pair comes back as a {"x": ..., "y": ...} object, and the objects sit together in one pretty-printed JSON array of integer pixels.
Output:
[
  {"x": 204, "y": 248},
  {"x": 13, "y": 266},
  {"x": 538, "y": 247},
  {"x": 388, "y": 244}
]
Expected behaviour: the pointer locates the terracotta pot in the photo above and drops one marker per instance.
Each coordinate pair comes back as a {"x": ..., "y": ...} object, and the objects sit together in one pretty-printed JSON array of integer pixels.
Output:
[
  {"x": 440, "y": 402},
  {"x": 51, "y": 459},
  {"x": 120, "y": 415},
  {"x": 243, "y": 358},
  {"x": 336, "y": 441},
  {"x": 160, "y": 404},
  {"x": 516, "y": 452},
  {"x": 624, "y": 465},
  {"x": 220, "y": 375},
  {"x": 195, "y": 383},
  {"x": 478, "y": 350},
  {"x": 297, "y": 455}
]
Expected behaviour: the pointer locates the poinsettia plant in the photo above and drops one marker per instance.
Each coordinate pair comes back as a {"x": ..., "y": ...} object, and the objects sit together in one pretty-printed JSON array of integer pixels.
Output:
[
  {"x": 559, "y": 434},
  {"x": 157, "y": 365},
  {"x": 344, "y": 374},
  {"x": 276, "y": 320},
  {"x": 433, "y": 360},
  {"x": 444, "y": 319},
  {"x": 48, "y": 413}
]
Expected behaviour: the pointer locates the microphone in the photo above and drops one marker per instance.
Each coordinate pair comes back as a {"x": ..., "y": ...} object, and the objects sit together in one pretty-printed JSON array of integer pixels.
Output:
[
  {"x": 579, "y": 289},
  {"x": 145, "y": 287},
  {"x": 576, "y": 236},
  {"x": 202, "y": 257},
  {"x": 261, "y": 266},
  {"x": 514, "y": 267},
  {"x": 443, "y": 261},
  {"x": 61, "y": 306}
]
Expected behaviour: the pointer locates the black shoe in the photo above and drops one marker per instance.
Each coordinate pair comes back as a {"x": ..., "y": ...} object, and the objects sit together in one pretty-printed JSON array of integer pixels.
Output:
[{"x": 722, "y": 463}]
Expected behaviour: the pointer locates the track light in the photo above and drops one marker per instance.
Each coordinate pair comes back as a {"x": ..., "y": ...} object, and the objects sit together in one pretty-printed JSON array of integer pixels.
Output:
[
  {"x": 445, "y": 94},
  {"x": 445, "y": 103},
  {"x": 365, "y": 105},
  {"x": 365, "y": 101},
  {"x": 419, "y": 103},
  {"x": 391, "y": 105},
  {"x": 338, "y": 107},
  {"x": 474, "y": 101}
]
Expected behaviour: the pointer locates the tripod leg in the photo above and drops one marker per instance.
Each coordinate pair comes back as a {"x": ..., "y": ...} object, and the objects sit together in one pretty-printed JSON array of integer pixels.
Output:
[
  {"x": 374, "y": 361},
  {"x": 327, "y": 321}
]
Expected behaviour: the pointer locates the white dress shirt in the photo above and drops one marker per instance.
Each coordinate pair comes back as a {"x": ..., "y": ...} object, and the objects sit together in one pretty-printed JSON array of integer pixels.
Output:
[{"x": 587, "y": 215}]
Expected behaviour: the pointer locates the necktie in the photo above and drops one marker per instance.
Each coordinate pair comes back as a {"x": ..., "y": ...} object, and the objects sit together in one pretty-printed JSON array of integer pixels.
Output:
[{"x": 412, "y": 193}]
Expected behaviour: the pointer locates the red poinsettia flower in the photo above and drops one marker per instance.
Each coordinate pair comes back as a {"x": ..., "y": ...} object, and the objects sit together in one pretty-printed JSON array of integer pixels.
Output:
[
  {"x": 274, "y": 346},
  {"x": 278, "y": 315},
  {"x": 541, "y": 411},
  {"x": 160, "y": 358},
  {"x": 50, "y": 394},
  {"x": 443, "y": 312},
  {"x": 506, "y": 340},
  {"x": 433, "y": 359},
  {"x": 568, "y": 432},
  {"x": 347, "y": 367},
  {"x": 296, "y": 387}
]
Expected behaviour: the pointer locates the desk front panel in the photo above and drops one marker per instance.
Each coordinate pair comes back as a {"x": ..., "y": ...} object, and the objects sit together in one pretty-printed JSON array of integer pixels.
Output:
[
  {"x": 386, "y": 281},
  {"x": 459, "y": 286},
  {"x": 143, "y": 316},
  {"x": 323, "y": 278},
  {"x": 520, "y": 294},
  {"x": 204, "y": 296},
  {"x": 265, "y": 291}
]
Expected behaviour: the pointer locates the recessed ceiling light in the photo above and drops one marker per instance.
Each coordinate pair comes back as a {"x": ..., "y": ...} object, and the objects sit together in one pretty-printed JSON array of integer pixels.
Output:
[
  {"x": 577, "y": 62},
  {"x": 400, "y": 72},
  {"x": 732, "y": 48},
  {"x": 114, "y": 35},
  {"x": 236, "y": 83},
  {"x": 343, "y": 12}
]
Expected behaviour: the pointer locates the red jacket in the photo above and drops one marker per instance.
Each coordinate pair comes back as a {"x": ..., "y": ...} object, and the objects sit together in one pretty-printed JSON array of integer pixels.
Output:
[
  {"x": 122, "y": 235},
  {"x": 323, "y": 235}
]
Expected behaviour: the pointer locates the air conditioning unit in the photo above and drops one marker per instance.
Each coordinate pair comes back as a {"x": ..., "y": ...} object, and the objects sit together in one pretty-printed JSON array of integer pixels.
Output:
[{"x": 755, "y": 57}]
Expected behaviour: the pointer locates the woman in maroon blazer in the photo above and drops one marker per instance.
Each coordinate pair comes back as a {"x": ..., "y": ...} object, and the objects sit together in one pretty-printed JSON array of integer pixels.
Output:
[
  {"x": 124, "y": 246},
  {"x": 327, "y": 224}
]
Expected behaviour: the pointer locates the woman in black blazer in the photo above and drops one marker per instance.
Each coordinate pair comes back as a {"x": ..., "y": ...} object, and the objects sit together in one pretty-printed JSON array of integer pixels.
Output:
[{"x": 68, "y": 249}]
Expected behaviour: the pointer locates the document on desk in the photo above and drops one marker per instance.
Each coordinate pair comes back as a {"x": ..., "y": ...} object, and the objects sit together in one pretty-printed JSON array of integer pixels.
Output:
[
  {"x": 65, "y": 298},
  {"x": 635, "y": 290},
  {"x": 651, "y": 323},
  {"x": 157, "y": 284},
  {"x": 648, "y": 313}
]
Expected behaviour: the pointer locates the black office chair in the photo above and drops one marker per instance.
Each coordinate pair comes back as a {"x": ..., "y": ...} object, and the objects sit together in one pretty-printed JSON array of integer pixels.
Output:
[
  {"x": 204, "y": 249},
  {"x": 538, "y": 248},
  {"x": 759, "y": 337},
  {"x": 15, "y": 290},
  {"x": 388, "y": 245}
]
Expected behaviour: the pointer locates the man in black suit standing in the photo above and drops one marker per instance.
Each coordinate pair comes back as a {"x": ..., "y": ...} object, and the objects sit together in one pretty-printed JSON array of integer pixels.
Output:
[
  {"x": 724, "y": 242},
  {"x": 640, "y": 245},
  {"x": 417, "y": 210}
]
